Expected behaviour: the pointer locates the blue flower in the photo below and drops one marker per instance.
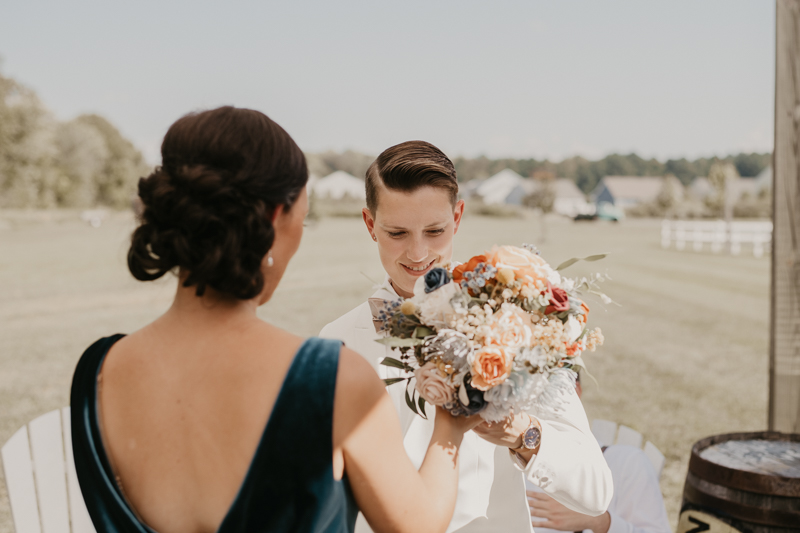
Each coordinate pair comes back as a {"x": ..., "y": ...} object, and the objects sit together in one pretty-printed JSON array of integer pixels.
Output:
[{"x": 436, "y": 278}]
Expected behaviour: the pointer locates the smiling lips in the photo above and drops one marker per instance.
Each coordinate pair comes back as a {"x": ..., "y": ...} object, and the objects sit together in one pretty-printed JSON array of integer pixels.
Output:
[{"x": 418, "y": 270}]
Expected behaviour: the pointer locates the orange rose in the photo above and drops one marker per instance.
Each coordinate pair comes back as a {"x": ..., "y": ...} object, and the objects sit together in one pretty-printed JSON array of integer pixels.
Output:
[
  {"x": 491, "y": 366},
  {"x": 525, "y": 264},
  {"x": 469, "y": 266}
]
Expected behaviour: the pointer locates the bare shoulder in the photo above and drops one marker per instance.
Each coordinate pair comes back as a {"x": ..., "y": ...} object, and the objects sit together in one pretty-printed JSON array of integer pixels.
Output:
[
  {"x": 360, "y": 397},
  {"x": 357, "y": 375}
]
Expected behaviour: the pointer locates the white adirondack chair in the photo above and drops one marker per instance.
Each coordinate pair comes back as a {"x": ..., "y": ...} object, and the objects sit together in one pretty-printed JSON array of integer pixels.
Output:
[
  {"x": 40, "y": 475},
  {"x": 607, "y": 433}
]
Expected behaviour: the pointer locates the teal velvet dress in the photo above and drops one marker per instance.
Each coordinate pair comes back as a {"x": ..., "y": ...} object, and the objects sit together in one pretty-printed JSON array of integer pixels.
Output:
[{"x": 289, "y": 486}]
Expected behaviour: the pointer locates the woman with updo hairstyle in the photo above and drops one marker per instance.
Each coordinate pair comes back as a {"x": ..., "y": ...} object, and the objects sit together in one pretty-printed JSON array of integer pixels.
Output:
[{"x": 210, "y": 419}]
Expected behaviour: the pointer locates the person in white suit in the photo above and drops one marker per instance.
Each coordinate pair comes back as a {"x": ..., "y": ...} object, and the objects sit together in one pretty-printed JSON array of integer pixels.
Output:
[
  {"x": 413, "y": 213},
  {"x": 637, "y": 505}
]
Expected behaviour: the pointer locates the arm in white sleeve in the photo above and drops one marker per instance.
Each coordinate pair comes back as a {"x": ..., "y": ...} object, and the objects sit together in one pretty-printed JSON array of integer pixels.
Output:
[
  {"x": 570, "y": 465},
  {"x": 638, "y": 506}
]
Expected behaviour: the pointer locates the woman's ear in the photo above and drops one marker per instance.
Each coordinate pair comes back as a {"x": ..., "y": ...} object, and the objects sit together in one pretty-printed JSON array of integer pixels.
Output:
[
  {"x": 369, "y": 221},
  {"x": 276, "y": 213}
]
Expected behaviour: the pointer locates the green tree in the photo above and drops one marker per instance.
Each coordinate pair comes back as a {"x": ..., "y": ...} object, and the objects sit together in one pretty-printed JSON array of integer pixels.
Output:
[
  {"x": 122, "y": 167},
  {"x": 27, "y": 172},
  {"x": 44, "y": 163}
]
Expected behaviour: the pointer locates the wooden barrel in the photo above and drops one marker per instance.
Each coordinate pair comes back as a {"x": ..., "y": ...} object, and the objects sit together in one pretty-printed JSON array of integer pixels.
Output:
[{"x": 743, "y": 482}]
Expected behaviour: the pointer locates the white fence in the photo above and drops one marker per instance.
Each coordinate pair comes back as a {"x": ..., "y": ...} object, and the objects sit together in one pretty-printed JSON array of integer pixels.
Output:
[{"x": 717, "y": 234}]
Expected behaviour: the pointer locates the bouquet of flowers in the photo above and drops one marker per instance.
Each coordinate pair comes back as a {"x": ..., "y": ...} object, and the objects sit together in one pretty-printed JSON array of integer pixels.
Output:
[{"x": 502, "y": 332}]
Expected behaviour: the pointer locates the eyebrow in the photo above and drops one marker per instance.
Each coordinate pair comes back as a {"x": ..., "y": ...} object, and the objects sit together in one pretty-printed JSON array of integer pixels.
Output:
[{"x": 396, "y": 228}]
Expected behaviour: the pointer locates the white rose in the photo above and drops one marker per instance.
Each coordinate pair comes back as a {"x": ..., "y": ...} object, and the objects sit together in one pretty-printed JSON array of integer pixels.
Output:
[
  {"x": 432, "y": 386},
  {"x": 573, "y": 328},
  {"x": 434, "y": 308}
]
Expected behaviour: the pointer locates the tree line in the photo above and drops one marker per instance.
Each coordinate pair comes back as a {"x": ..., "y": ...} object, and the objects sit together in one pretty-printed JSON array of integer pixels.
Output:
[
  {"x": 86, "y": 162},
  {"x": 45, "y": 162},
  {"x": 584, "y": 172}
]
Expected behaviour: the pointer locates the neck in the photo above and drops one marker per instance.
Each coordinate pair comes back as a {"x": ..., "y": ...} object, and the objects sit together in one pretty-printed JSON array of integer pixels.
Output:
[
  {"x": 400, "y": 292},
  {"x": 211, "y": 310}
]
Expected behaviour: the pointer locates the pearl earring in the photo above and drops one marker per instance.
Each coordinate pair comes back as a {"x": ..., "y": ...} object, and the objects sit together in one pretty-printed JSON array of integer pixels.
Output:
[{"x": 270, "y": 261}]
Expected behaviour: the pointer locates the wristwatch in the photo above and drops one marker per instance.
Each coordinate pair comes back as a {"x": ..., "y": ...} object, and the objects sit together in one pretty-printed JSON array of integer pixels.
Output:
[{"x": 531, "y": 437}]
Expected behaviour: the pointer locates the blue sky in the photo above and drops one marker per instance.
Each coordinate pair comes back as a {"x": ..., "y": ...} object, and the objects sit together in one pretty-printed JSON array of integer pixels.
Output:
[{"x": 671, "y": 78}]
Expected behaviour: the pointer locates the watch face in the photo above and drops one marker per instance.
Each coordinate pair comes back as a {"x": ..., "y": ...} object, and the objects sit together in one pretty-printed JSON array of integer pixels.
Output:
[{"x": 531, "y": 437}]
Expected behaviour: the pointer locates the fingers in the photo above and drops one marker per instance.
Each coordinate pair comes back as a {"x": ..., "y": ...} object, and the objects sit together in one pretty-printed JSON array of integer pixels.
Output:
[
  {"x": 538, "y": 495},
  {"x": 540, "y": 513}
]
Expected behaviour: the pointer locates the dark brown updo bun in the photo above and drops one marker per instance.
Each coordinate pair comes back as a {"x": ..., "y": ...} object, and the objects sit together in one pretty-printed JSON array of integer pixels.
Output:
[{"x": 208, "y": 208}]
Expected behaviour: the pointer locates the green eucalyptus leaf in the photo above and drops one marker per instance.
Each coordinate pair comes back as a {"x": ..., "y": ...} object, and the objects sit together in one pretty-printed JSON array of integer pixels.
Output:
[
  {"x": 391, "y": 361},
  {"x": 410, "y": 402},
  {"x": 420, "y": 332},
  {"x": 422, "y": 412},
  {"x": 395, "y": 342},
  {"x": 589, "y": 258},
  {"x": 392, "y": 381}
]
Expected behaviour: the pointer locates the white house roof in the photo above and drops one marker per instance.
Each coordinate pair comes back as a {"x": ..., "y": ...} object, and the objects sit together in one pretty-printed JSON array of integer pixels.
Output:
[
  {"x": 566, "y": 188},
  {"x": 640, "y": 188},
  {"x": 338, "y": 185},
  {"x": 495, "y": 189},
  {"x": 701, "y": 188}
]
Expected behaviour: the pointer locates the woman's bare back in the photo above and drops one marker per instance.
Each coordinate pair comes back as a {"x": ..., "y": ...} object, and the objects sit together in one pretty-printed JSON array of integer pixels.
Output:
[{"x": 182, "y": 408}]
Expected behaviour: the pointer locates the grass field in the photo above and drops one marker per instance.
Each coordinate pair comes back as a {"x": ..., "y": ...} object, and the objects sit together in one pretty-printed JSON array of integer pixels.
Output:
[{"x": 685, "y": 354}]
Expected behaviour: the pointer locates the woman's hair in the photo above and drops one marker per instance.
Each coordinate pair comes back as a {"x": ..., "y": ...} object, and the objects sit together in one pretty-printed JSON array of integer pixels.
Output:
[
  {"x": 408, "y": 166},
  {"x": 208, "y": 208}
]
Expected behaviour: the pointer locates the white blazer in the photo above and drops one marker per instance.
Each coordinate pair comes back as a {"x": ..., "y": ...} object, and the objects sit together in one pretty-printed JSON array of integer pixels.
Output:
[{"x": 491, "y": 486}]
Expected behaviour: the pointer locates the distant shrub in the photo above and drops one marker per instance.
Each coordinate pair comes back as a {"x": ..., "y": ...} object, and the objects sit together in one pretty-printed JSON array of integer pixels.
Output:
[{"x": 46, "y": 163}]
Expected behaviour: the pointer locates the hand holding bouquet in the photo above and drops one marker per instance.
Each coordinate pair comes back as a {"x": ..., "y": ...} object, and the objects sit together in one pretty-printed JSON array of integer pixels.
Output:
[{"x": 499, "y": 333}]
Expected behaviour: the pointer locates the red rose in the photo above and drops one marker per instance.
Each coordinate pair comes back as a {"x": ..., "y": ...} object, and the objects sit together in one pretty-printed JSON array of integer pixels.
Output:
[{"x": 559, "y": 300}]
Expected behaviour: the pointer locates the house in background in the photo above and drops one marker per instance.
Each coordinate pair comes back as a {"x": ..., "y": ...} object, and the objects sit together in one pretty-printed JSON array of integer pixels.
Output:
[
  {"x": 701, "y": 188},
  {"x": 505, "y": 187},
  {"x": 628, "y": 191},
  {"x": 338, "y": 186},
  {"x": 509, "y": 188},
  {"x": 764, "y": 180},
  {"x": 570, "y": 200}
]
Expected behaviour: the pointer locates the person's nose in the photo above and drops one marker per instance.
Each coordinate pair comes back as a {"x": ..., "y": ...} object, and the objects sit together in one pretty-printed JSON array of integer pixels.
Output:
[{"x": 418, "y": 251}]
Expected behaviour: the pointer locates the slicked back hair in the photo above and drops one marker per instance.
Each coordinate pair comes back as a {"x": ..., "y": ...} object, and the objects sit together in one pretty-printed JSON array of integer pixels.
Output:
[{"x": 408, "y": 166}]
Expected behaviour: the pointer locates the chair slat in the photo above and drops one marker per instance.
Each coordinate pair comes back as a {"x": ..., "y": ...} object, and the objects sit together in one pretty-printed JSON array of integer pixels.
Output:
[
  {"x": 47, "y": 450},
  {"x": 629, "y": 436},
  {"x": 655, "y": 456},
  {"x": 604, "y": 431},
  {"x": 18, "y": 469},
  {"x": 79, "y": 516}
]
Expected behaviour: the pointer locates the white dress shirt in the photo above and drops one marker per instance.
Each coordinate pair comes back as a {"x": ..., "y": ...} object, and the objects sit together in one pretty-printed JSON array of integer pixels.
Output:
[
  {"x": 637, "y": 505},
  {"x": 491, "y": 487}
]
